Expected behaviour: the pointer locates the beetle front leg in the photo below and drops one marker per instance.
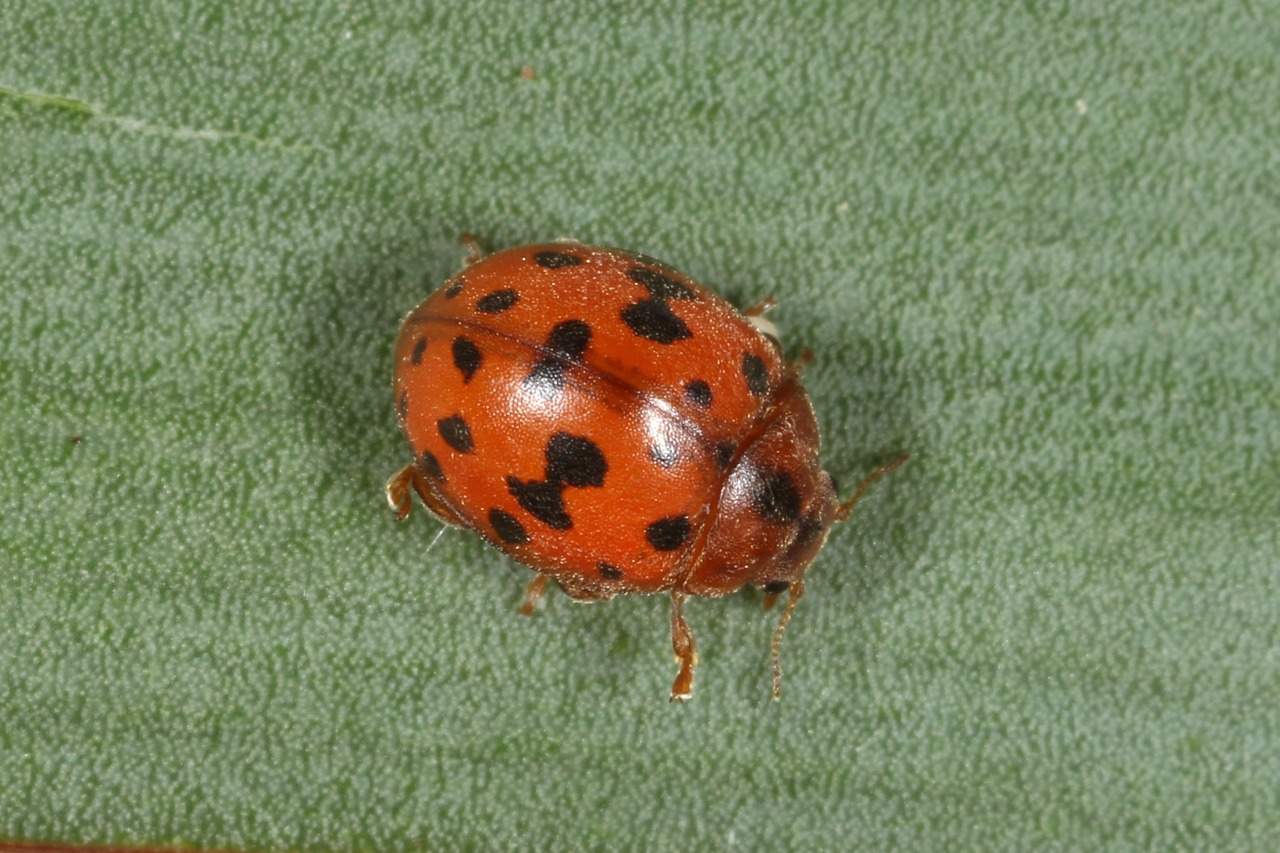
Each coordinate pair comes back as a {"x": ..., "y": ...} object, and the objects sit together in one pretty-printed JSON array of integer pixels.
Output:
[{"x": 398, "y": 490}]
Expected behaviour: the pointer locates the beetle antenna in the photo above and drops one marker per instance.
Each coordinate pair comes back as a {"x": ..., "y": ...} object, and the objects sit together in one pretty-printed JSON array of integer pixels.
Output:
[{"x": 843, "y": 510}]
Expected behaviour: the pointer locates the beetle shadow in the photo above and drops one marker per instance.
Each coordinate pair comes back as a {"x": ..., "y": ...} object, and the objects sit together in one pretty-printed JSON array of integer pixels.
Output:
[
  {"x": 343, "y": 339},
  {"x": 857, "y": 380},
  {"x": 869, "y": 420}
]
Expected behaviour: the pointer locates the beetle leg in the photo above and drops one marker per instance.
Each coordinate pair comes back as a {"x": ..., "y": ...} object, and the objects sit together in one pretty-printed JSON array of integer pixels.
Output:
[
  {"x": 795, "y": 591},
  {"x": 755, "y": 316},
  {"x": 683, "y": 646},
  {"x": 472, "y": 246},
  {"x": 532, "y": 593},
  {"x": 398, "y": 497},
  {"x": 761, "y": 307},
  {"x": 398, "y": 490}
]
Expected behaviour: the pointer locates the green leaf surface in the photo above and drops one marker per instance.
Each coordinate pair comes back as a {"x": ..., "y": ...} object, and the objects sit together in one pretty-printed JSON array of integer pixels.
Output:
[{"x": 1035, "y": 245}]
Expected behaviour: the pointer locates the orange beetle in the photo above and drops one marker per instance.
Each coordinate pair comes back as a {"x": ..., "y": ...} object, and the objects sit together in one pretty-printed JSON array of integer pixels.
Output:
[{"x": 615, "y": 426}]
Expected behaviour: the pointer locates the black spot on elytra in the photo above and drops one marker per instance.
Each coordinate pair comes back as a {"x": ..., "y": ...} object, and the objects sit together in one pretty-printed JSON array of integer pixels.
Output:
[
  {"x": 430, "y": 465},
  {"x": 775, "y": 587},
  {"x": 456, "y": 433},
  {"x": 573, "y": 461},
  {"x": 653, "y": 318},
  {"x": 453, "y": 289},
  {"x": 668, "y": 534},
  {"x": 419, "y": 347},
  {"x": 466, "y": 357},
  {"x": 724, "y": 453},
  {"x": 556, "y": 260},
  {"x": 497, "y": 302},
  {"x": 569, "y": 339},
  {"x": 609, "y": 571},
  {"x": 508, "y": 527},
  {"x": 756, "y": 373},
  {"x": 698, "y": 392},
  {"x": 774, "y": 497},
  {"x": 402, "y": 406},
  {"x": 543, "y": 500},
  {"x": 654, "y": 264},
  {"x": 546, "y": 379},
  {"x": 660, "y": 286}
]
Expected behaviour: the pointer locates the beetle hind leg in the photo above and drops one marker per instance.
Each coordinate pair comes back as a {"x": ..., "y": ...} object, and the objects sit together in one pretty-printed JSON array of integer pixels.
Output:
[
  {"x": 532, "y": 594},
  {"x": 686, "y": 651}
]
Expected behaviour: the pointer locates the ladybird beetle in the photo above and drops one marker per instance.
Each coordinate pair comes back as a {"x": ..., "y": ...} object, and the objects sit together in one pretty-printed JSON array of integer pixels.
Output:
[{"x": 615, "y": 426}]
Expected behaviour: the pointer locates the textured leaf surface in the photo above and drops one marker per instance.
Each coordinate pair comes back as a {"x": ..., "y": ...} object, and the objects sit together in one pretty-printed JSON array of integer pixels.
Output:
[{"x": 1036, "y": 247}]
